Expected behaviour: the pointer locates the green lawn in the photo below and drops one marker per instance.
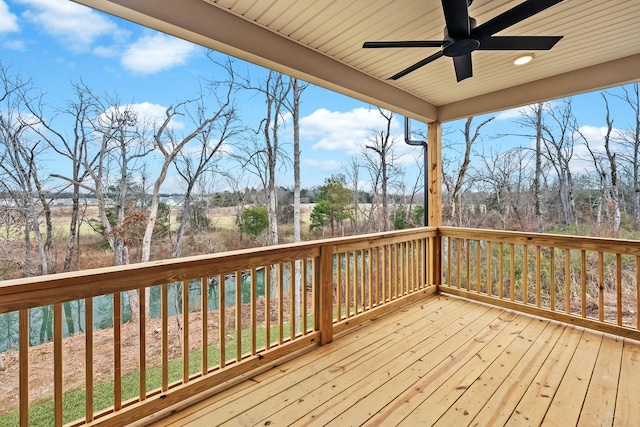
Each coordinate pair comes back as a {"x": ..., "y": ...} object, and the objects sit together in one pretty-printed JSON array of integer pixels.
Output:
[{"x": 74, "y": 400}]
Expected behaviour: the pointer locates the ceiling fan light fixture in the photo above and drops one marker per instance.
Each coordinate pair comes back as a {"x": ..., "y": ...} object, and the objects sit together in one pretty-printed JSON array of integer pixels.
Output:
[{"x": 524, "y": 59}]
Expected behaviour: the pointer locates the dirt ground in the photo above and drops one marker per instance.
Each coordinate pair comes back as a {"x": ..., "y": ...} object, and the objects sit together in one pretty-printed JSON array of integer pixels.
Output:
[{"x": 41, "y": 356}]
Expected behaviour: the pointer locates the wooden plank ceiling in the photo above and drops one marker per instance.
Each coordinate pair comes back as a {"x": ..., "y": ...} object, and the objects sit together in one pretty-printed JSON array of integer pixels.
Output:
[{"x": 321, "y": 42}]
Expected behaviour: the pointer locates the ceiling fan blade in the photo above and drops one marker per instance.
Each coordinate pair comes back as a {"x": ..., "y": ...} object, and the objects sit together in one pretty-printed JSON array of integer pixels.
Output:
[
  {"x": 512, "y": 16},
  {"x": 463, "y": 66},
  {"x": 416, "y": 66},
  {"x": 409, "y": 43},
  {"x": 456, "y": 17},
  {"x": 519, "y": 43}
]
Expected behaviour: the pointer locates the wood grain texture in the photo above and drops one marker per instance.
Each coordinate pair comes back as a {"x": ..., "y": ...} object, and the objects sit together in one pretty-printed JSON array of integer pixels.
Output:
[{"x": 441, "y": 361}]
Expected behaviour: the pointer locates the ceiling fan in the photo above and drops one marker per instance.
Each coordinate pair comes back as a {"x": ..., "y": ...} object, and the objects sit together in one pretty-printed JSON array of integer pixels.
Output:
[{"x": 462, "y": 36}]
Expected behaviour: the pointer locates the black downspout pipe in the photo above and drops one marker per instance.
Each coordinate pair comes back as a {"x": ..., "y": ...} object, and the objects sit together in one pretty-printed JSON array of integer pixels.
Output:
[{"x": 425, "y": 146}]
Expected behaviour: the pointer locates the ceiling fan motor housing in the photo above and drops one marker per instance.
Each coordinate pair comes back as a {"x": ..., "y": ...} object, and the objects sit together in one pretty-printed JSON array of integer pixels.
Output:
[{"x": 462, "y": 46}]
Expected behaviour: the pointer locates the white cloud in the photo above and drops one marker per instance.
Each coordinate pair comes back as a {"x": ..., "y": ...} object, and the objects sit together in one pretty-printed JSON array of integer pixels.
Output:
[
  {"x": 14, "y": 45},
  {"x": 105, "y": 51},
  {"x": 75, "y": 25},
  {"x": 173, "y": 184},
  {"x": 512, "y": 113},
  {"x": 326, "y": 165},
  {"x": 155, "y": 114},
  {"x": 153, "y": 53},
  {"x": 8, "y": 21},
  {"x": 342, "y": 131},
  {"x": 147, "y": 113},
  {"x": 595, "y": 135}
]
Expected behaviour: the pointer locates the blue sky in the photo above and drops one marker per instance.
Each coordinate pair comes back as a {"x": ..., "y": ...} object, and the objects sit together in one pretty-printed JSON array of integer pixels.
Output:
[{"x": 57, "y": 42}]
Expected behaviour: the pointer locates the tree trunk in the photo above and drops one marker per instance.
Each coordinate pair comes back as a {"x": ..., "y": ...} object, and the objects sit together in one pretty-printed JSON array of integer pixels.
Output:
[{"x": 538, "y": 175}]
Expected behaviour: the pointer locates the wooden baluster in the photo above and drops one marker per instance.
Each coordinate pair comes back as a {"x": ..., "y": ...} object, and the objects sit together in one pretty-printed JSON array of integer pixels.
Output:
[
  {"x": 478, "y": 269},
  {"x": 267, "y": 305},
  {"x": 501, "y": 270},
  {"x": 339, "y": 282},
  {"x": 399, "y": 270},
  {"x": 583, "y": 283},
  {"x": 350, "y": 297},
  {"x": 525, "y": 274},
  {"x": 409, "y": 256},
  {"x": 164, "y": 315},
  {"x": 315, "y": 294},
  {"x": 238, "y": 315},
  {"x": 142, "y": 347},
  {"x": 468, "y": 263},
  {"x": 567, "y": 281},
  {"x": 619, "y": 288},
  {"x": 383, "y": 273},
  {"x": 356, "y": 281},
  {"x": 280, "y": 303},
  {"x": 185, "y": 331},
  {"x": 23, "y": 344},
  {"x": 88, "y": 360},
  {"x": 303, "y": 293},
  {"x": 378, "y": 280},
  {"x": 459, "y": 263},
  {"x": 512, "y": 271},
  {"x": 117, "y": 351},
  {"x": 402, "y": 270},
  {"x": 222, "y": 320},
  {"x": 637, "y": 291},
  {"x": 204, "y": 312},
  {"x": 601, "y": 286},
  {"x": 362, "y": 263},
  {"x": 292, "y": 300},
  {"x": 552, "y": 278},
  {"x": 449, "y": 258},
  {"x": 538, "y": 277},
  {"x": 370, "y": 278},
  {"x": 254, "y": 311},
  {"x": 324, "y": 308},
  {"x": 489, "y": 272},
  {"x": 58, "y": 390}
]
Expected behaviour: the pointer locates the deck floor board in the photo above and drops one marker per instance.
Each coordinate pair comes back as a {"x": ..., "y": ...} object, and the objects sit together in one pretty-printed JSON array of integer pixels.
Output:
[{"x": 442, "y": 361}]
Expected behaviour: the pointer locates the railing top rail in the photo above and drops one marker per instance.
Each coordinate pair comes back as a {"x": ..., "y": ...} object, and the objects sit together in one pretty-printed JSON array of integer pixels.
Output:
[
  {"x": 43, "y": 290},
  {"x": 598, "y": 244}
]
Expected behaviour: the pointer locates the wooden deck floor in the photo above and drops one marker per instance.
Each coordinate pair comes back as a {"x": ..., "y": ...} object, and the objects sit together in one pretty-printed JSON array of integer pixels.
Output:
[{"x": 445, "y": 362}]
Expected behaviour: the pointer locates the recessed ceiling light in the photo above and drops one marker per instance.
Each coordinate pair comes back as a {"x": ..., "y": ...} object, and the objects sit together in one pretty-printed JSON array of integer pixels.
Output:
[{"x": 523, "y": 59}]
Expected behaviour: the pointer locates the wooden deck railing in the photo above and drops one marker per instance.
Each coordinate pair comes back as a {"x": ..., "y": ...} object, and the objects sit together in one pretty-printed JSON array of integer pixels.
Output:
[
  {"x": 590, "y": 282},
  {"x": 203, "y": 322},
  {"x": 206, "y": 322}
]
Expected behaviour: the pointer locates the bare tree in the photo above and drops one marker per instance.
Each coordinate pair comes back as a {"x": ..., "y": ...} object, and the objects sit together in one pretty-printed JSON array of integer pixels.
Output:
[
  {"x": 238, "y": 185},
  {"x": 20, "y": 154},
  {"x": 608, "y": 176},
  {"x": 72, "y": 147},
  {"x": 457, "y": 184},
  {"x": 120, "y": 144},
  {"x": 630, "y": 139},
  {"x": 559, "y": 135},
  {"x": 352, "y": 172},
  {"x": 263, "y": 159},
  {"x": 294, "y": 109},
  {"x": 533, "y": 117},
  {"x": 192, "y": 164},
  {"x": 415, "y": 189},
  {"x": 381, "y": 159},
  {"x": 506, "y": 178}
]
